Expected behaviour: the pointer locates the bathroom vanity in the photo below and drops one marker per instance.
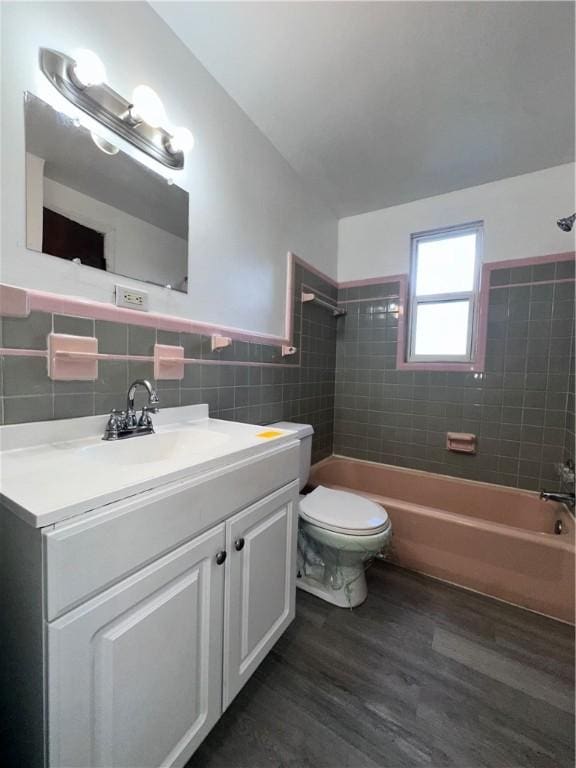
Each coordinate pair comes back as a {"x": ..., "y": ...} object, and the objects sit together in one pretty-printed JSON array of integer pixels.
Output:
[{"x": 143, "y": 582}]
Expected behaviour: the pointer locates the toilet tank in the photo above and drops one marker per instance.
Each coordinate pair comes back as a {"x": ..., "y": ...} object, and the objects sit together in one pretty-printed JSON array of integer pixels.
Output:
[{"x": 304, "y": 433}]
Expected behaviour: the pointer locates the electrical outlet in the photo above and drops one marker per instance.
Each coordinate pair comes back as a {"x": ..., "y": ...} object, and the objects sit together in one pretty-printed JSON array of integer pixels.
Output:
[{"x": 131, "y": 298}]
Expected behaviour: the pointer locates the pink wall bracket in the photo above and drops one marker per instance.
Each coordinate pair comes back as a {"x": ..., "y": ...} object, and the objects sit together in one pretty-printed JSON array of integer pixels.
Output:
[
  {"x": 72, "y": 358},
  {"x": 461, "y": 442},
  {"x": 14, "y": 302},
  {"x": 220, "y": 342},
  {"x": 288, "y": 351},
  {"x": 167, "y": 364}
]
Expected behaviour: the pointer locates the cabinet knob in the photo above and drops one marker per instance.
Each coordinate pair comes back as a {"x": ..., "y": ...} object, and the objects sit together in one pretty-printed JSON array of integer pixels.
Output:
[
  {"x": 220, "y": 557},
  {"x": 239, "y": 544}
]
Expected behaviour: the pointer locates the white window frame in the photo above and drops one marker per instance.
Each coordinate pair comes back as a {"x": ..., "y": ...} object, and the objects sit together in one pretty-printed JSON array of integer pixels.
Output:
[{"x": 477, "y": 228}]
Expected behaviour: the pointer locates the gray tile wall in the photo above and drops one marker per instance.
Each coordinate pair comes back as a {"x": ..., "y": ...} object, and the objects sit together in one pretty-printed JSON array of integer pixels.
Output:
[
  {"x": 302, "y": 391},
  {"x": 521, "y": 408},
  {"x": 345, "y": 382}
]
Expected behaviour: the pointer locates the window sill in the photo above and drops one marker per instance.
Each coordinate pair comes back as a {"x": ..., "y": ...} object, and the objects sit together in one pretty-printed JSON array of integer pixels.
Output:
[{"x": 469, "y": 367}]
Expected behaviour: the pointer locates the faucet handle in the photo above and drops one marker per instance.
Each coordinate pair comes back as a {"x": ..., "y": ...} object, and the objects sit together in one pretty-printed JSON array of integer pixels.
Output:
[
  {"x": 145, "y": 420},
  {"x": 113, "y": 426},
  {"x": 130, "y": 418},
  {"x": 154, "y": 404}
]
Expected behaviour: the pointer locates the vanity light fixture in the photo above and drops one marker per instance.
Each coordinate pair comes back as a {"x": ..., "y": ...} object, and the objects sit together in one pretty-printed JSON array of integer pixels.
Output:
[
  {"x": 147, "y": 106},
  {"x": 88, "y": 69},
  {"x": 106, "y": 146},
  {"x": 81, "y": 80},
  {"x": 181, "y": 141}
]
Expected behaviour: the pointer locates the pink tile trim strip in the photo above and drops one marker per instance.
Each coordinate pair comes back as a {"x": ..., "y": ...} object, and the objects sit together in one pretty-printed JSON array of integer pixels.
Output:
[
  {"x": 530, "y": 260},
  {"x": 72, "y": 367},
  {"x": 369, "y": 298},
  {"x": 70, "y": 305},
  {"x": 288, "y": 302},
  {"x": 370, "y": 281},
  {"x": 14, "y": 302},
  {"x": 315, "y": 271}
]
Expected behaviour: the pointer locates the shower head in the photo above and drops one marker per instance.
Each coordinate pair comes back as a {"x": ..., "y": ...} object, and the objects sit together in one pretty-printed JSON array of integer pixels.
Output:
[{"x": 567, "y": 223}]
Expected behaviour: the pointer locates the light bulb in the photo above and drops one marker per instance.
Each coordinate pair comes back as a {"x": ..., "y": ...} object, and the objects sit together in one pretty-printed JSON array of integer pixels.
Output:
[
  {"x": 148, "y": 106},
  {"x": 181, "y": 140},
  {"x": 88, "y": 69},
  {"x": 106, "y": 146}
]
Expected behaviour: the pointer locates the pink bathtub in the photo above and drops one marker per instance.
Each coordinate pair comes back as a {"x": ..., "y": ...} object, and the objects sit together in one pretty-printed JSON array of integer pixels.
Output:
[{"x": 496, "y": 540}]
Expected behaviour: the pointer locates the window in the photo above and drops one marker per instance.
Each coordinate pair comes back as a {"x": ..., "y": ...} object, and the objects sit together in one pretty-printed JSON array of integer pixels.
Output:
[{"x": 443, "y": 291}]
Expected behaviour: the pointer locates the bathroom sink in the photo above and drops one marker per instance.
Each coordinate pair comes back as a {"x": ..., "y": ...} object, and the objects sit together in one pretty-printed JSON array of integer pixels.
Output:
[
  {"x": 157, "y": 447},
  {"x": 74, "y": 470}
]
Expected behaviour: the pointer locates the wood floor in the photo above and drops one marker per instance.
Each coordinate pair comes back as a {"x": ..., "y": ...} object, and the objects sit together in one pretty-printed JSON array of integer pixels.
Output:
[{"x": 422, "y": 674}]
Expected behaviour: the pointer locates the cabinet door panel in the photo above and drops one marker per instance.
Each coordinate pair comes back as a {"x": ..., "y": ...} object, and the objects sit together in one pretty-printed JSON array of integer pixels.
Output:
[
  {"x": 260, "y": 585},
  {"x": 135, "y": 674}
]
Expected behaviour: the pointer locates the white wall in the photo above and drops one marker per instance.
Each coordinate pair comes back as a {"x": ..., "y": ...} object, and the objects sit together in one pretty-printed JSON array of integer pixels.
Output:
[
  {"x": 34, "y": 201},
  {"x": 131, "y": 246},
  {"x": 247, "y": 206},
  {"x": 519, "y": 217}
]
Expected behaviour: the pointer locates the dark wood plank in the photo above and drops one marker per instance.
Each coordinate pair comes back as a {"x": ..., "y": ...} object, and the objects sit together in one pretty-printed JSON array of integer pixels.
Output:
[{"x": 422, "y": 674}]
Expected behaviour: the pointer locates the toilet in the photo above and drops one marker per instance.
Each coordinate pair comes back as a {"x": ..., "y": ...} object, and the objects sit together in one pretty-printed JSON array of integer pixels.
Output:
[{"x": 338, "y": 534}]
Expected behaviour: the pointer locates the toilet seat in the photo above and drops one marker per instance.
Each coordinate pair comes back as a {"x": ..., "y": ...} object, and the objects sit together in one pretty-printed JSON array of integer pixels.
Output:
[{"x": 343, "y": 512}]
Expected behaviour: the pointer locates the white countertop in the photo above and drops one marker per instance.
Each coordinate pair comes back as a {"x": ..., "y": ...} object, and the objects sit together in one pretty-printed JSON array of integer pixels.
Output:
[{"x": 51, "y": 471}]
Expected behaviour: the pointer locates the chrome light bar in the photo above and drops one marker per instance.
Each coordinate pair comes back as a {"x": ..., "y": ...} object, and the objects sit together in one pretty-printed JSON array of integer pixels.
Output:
[{"x": 110, "y": 108}]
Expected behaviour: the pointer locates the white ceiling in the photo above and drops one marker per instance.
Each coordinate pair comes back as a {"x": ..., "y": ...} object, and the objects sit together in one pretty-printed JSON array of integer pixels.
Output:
[{"x": 380, "y": 103}]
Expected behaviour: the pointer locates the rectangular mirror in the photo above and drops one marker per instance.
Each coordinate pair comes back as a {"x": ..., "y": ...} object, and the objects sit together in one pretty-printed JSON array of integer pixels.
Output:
[{"x": 88, "y": 202}]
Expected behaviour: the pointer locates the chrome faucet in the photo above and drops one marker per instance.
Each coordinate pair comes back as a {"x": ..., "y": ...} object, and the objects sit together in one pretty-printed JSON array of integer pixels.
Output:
[
  {"x": 563, "y": 498},
  {"x": 126, "y": 424}
]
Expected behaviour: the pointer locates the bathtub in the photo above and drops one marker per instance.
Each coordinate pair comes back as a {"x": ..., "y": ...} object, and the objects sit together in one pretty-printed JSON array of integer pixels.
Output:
[{"x": 493, "y": 539}]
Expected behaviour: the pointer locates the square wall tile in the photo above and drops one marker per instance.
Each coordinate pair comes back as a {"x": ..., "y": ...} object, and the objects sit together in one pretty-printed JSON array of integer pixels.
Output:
[
  {"x": 26, "y": 376},
  {"x": 73, "y": 326},
  {"x": 26, "y": 332},
  {"x": 21, "y": 409}
]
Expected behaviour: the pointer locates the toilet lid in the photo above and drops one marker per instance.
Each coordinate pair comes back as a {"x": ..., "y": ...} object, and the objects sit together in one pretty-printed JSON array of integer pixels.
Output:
[{"x": 343, "y": 512}]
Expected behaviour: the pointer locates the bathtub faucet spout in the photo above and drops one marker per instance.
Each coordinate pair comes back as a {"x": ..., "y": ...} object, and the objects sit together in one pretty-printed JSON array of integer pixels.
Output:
[{"x": 564, "y": 498}]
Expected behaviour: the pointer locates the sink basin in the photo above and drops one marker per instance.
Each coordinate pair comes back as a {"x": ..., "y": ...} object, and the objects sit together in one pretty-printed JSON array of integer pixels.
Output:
[{"x": 163, "y": 446}]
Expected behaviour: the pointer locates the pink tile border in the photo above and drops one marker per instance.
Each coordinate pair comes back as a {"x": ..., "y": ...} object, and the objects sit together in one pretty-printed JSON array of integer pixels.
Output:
[
  {"x": 370, "y": 281},
  {"x": 14, "y": 301},
  {"x": 371, "y": 298},
  {"x": 71, "y": 305},
  {"x": 529, "y": 261},
  {"x": 315, "y": 271}
]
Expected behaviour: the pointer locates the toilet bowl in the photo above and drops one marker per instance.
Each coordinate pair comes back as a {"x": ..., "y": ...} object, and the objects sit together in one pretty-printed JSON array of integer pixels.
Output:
[{"x": 339, "y": 533}]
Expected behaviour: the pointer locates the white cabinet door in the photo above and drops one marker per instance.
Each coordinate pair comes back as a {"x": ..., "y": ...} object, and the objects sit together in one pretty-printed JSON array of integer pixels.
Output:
[
  {"x": 260, "y": 583},
  {"x": 135, "y": 675}
]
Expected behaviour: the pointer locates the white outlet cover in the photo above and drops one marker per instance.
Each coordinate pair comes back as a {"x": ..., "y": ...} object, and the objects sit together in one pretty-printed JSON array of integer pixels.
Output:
[{"x": 131, "y": 298}]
